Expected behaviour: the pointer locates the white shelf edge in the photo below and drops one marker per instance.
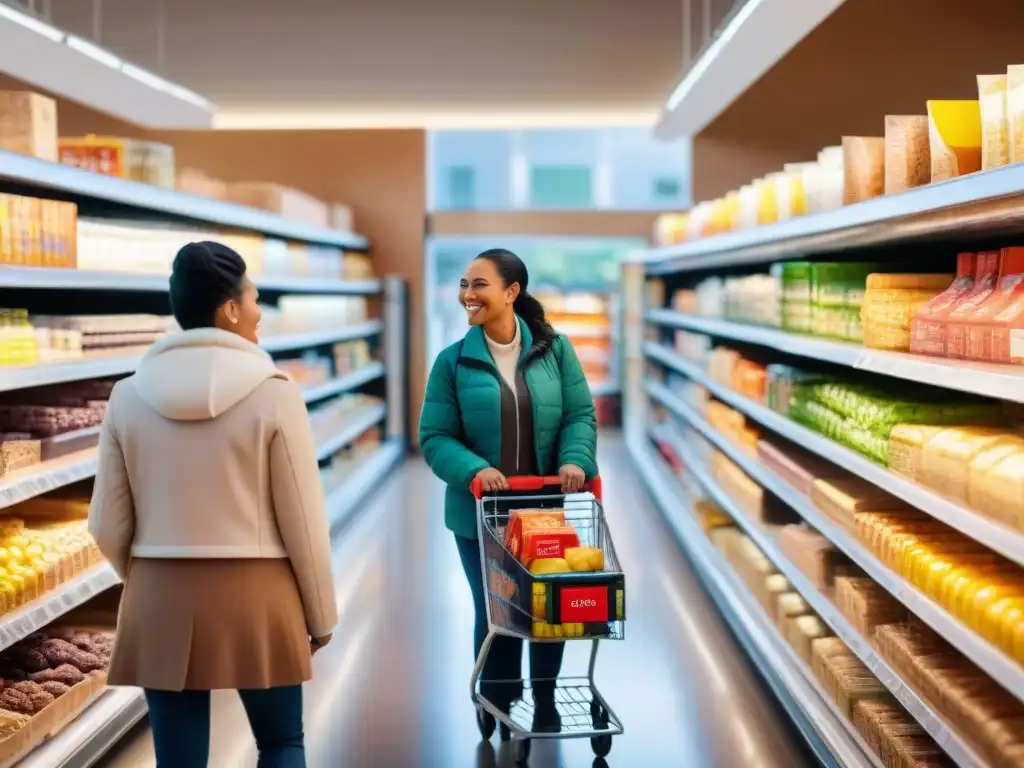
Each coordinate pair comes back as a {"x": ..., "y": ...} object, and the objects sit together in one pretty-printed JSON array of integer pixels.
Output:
[
  {"x": 992, "y": 534},
  {"x": 19, "y": 624},
  {"x": 357, "y": 424},
  {"x": 344, "y": 500},
  {"x": 285, "y": 341},
  {"x": 1000, "y": 667},
  {"x": 344, "y": 383},
  {"x": 62, "y": 178},
  {"x": 924, "y": 211},
  {"x": 931, "y": 720},
  {"x": 989, "y": 379},
  {"x": 604, "y": 389},
  {"x": 24, "y": 377},
  {"x": 48, "y": 476},
  {"x": 51, "y": 278},
  {"x": 835, "y": 730},
  {"x": 85, "y": 740}
]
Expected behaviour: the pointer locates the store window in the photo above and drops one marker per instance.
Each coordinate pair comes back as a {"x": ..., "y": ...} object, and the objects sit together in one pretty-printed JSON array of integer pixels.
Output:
[
  {"x": 668, "y": 189},
  {"x": 461, "y": 187},
  {"x": 561, "y": 187}
]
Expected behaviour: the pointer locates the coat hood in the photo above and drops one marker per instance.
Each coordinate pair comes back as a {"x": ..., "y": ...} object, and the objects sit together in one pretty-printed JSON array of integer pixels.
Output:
[{"x": 200, "y": 374}]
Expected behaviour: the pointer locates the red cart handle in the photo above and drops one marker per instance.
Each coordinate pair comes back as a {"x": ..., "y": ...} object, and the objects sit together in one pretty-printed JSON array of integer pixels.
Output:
[{"x": 520, "y": 483}]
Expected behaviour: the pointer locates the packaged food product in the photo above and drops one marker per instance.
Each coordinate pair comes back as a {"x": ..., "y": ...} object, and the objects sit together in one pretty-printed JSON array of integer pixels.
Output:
[
  {"x": 863, "y": 168},
  {"x": 193, "y": 182},
  {"x": 584, "y": 558},
  {"x": 996, "y": 484},
  {"x": 545, "y": 565},
  {"x": 995, "y": 126},
  {"x": 1015, "y": 111},
  {"x": 537, "y": 543},
  {"x": 928, "y": 328},
  {"x": 906, "y": 441},
  {"x": 148, "y": 162},
  {"x": 907, "y": 154},
  {"x": 890, "y": 303},
  {"x": 28, "y": 124},
  {"x": 982, "y": 322},
  {"x": 946, "y": 458},
  {"x": 986, "y": 277},
  {"x": 841, "y": 499},
  {"x": 954, "y": 136},
  {"x": 522, "y": 520},
  {"x": 276, "y": 198}
]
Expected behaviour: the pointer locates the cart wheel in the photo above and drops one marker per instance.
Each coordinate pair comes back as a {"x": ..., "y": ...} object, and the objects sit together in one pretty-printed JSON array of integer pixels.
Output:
[
  {"x": 486, "y": 721},
  {"x": 599, "y": 715},
  {"x": 602, "y": 744},
  {"x": 521, "y": 751}
]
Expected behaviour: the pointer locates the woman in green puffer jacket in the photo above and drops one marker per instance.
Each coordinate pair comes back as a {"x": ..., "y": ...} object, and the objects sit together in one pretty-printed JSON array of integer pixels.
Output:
[{"x": 510, "y": 398}]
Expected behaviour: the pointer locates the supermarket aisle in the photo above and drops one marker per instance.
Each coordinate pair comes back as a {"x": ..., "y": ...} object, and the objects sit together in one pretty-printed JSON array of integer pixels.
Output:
[{"x": 392, "y": 689}]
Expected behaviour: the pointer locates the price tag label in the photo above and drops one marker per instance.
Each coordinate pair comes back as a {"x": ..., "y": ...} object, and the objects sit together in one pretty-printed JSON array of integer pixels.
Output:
[{"x": 584, "y": 604}]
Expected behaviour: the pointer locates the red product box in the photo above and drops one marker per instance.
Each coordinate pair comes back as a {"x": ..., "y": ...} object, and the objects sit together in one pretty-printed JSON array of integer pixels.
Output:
[{"x": 537, "y": 543}]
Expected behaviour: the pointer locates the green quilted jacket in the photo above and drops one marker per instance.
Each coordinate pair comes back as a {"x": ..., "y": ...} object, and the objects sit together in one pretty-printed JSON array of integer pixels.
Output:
[{"x": 461, "y": 422}]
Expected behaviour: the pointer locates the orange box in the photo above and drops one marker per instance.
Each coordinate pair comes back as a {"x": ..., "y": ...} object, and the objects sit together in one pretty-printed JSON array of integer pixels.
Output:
[
  {"x": 521, "y": 520},
  {"x": 547, "y": 542}
]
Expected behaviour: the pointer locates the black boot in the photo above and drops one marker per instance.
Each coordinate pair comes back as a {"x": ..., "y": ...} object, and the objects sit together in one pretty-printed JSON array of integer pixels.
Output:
[{"x": 545, "y": 713}]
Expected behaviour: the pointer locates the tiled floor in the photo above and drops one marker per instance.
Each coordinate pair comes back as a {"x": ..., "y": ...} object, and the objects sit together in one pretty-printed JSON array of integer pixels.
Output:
[{"x": 392, "y": 690}]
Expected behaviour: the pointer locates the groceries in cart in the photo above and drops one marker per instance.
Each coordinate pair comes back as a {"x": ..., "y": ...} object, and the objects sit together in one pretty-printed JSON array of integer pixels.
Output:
[{"x": 543, "y": 542}]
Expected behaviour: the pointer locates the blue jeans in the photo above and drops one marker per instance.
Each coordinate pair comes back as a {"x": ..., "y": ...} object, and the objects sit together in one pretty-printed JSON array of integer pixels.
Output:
[
  {"x": 505, "y": 658},
  {"x": 180, "y": 721}
]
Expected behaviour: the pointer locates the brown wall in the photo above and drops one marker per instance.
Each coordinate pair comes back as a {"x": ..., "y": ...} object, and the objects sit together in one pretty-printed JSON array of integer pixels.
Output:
[
  {"x": 381, "y": 174},
  {"x": 869, "y": 59}
]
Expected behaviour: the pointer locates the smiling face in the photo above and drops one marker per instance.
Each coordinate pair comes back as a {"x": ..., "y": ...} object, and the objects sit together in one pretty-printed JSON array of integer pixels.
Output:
[
  {"x": 483, "y": 293},
  {"x": 242, "y": 316}
]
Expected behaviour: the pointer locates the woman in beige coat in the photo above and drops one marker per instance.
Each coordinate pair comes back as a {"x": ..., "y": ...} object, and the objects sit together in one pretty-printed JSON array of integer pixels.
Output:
[{"x": 208, "y": 504}]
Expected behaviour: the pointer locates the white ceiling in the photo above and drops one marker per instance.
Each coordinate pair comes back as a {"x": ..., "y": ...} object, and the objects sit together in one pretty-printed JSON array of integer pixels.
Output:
[{"x": 302, "y": 63}]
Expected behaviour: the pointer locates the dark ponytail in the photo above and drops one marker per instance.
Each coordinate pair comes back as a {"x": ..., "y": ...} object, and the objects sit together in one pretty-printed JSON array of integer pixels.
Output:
[{"x": 513, "y": 270}]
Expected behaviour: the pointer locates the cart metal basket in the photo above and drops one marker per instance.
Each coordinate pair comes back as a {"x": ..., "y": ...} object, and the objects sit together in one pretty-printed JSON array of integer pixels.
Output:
[{"x": 555, "y": 607}]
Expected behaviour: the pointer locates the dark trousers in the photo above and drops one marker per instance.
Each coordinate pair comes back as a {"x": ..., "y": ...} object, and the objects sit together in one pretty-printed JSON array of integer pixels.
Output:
[
  {"x": 180, "y": 721},
  {"x": 505, "y": 659}
]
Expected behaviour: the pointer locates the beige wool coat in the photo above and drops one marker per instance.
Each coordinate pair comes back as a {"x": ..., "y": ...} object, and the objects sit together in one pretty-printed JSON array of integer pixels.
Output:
[{"x": 208, "y": 504}]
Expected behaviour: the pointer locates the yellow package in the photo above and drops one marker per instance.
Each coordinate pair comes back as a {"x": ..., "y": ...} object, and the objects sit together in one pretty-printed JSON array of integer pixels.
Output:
[
  {"x": 999, "y": 491},
  {"x": 954, "y": 135},
  {"x": 946, "y": 459},
  {"x": 995, "y": 125},
  {"x": 1015, "y": 111}
]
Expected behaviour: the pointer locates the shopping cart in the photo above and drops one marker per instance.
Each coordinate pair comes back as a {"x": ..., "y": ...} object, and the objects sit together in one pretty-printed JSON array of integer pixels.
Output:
[{"x": 549, "y": 608}]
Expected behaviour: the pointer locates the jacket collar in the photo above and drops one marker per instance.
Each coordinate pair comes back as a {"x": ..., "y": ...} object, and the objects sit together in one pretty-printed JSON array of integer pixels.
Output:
[{"x": 474, "y": 345}]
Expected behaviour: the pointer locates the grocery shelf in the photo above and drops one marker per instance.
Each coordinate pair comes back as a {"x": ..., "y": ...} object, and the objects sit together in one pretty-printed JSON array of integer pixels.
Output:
[
  {"x": 19, "y": 624},
  {"x": 794, "y": 683},
  {"x": 355, "y": 426},
  {"x": 991, "y": 533},
  {"x": 90, "y": 365},
  {"x": 988, "y": 202},
  {"x": 1002, "y": 381},
  {"x": 344, "y": 501},
  {"x": 286, "y": 341},
  {"x": 24, "y": 484},
  {"x": 959, "y": 750},
  {"x": 1000, "y": 667},
  {"x": 105, "y": 363},
  {"x": 344, "y": 383},
  {"x": 93, "y": 280},
  {"x": 84, "y": 741},
  {"x": 165, "y": 202}
]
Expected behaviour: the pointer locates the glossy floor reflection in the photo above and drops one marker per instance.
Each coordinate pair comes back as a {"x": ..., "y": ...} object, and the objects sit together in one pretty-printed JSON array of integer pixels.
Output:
[{"x": 392, "y": 690}]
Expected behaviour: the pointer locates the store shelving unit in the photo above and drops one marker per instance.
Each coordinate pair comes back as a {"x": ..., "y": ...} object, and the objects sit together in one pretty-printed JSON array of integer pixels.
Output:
[
  {"x": 163, "y": 203},
  {"x": 957, "y": 746},
  {"x": 1002, "y": 381},
  {"x": 986, "y": 203},
  {"x": 91, "y": 280},
  {"x": 982, "y": 208},
  {"x": 801, "y": 694},
  {"x": 83, "y": 741}
]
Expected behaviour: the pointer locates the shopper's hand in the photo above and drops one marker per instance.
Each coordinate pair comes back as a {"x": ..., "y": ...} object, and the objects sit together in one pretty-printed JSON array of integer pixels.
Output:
[
  {"x": 492, "y": 480},
  {"x": 573, "y": 478},
  {"x": 317, "y": 643}
]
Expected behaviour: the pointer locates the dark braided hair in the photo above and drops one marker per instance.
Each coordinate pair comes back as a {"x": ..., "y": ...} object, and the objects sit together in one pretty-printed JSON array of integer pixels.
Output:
[
  {"x": 513, "y": 270},
  {"x": 204, "y": 276}
]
